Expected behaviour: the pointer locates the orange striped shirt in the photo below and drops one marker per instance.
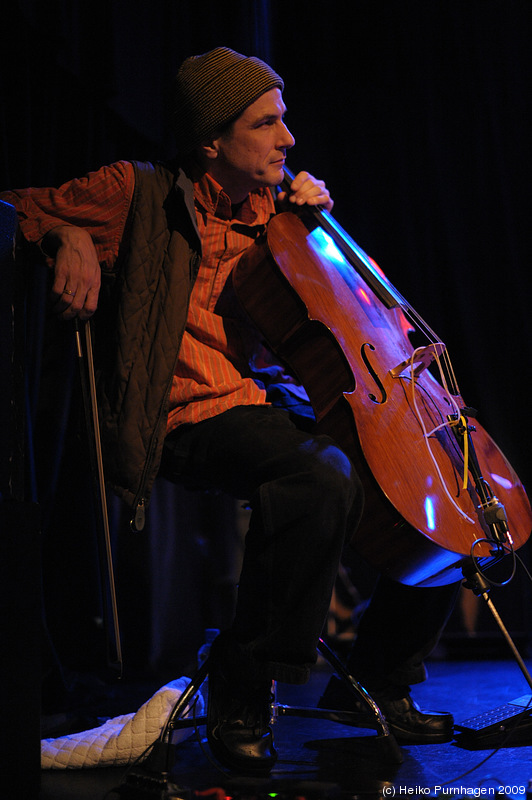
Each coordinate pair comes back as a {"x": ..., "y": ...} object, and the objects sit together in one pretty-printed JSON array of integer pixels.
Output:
[{"x": 213, "y": 373}]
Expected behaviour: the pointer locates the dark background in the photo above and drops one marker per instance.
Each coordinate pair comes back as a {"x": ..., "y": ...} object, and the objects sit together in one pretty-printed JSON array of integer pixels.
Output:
[{"x": 417, "y": 115}]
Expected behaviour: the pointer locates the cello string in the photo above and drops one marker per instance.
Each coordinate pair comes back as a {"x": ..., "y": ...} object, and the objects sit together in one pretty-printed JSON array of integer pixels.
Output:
[
  {"x": 445, "y": 367},
  {"x": 427, "y": 435},
  {"x": 423, "y": 327},
  {"x": 356, "y": 256}
]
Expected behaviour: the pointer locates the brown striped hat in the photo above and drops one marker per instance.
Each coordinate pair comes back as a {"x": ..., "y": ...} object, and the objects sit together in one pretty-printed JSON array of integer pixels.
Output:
[{"x": 212, "y": 89}]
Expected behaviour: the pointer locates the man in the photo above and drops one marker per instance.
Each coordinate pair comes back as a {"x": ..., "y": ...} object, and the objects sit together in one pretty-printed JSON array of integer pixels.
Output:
[{"x": 182, "y": 394}]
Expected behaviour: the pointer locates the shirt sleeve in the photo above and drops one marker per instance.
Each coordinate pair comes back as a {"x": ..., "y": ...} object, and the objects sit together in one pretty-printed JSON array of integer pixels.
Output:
[{"x": 98, "y": 202}]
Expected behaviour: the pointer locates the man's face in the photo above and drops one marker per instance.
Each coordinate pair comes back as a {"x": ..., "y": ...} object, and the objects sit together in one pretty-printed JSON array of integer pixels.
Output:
[{"x": 252, "y": 152}]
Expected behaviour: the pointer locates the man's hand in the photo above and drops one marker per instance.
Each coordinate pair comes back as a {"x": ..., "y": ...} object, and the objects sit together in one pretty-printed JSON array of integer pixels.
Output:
[
  {"x": 306, "y": 189},
  {"x": 77, "y": 273}
]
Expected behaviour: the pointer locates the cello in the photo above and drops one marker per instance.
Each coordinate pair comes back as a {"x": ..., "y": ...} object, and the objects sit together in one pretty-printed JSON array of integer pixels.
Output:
[{"x": 439, "y": 494}]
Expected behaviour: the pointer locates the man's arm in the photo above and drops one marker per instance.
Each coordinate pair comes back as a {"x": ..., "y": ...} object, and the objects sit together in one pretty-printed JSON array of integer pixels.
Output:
[
  {"x": 78, "y": 226},
  {"x": 77, "y": 273}
]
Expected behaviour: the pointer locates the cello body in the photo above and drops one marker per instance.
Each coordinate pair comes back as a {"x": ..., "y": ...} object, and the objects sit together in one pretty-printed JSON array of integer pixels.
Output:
[{"x": 373, "y": 392}]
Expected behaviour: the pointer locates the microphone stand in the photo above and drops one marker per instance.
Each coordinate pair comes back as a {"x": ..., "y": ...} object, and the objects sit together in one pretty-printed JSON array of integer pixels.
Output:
[
  {"x": 478, "y": 584},
  {"x": 494, "y": 515}
]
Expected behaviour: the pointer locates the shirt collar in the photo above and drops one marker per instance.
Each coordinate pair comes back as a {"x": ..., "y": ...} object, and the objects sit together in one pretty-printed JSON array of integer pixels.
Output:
[{"x": 256, "y": 209}]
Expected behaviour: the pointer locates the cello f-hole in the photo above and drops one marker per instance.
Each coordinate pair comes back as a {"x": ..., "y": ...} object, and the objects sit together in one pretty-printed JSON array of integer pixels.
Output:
[{"x": 374, "y": 399}]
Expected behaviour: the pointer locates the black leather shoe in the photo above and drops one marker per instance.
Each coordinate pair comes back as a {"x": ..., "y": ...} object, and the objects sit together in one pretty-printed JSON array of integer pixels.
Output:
[
  {"x": 405, "y": 719},
  {"x": 238, "y": 724}
]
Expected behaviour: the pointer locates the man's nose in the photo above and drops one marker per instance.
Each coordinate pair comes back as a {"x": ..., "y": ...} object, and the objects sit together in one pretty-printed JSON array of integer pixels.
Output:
[{"x": 286, "y": 137}]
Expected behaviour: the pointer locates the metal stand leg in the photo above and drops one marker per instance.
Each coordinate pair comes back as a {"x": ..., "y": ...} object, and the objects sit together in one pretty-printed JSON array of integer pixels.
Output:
[
  {"x": 510, "y": 719},
  {"x": 153, "y": 773},
  {"x": 479, "y": 586},
  {"x": 372, "y": 718}
]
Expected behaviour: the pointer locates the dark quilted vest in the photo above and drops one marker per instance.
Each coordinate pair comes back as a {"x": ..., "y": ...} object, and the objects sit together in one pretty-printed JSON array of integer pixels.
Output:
[{"x": 139, "y": 329}]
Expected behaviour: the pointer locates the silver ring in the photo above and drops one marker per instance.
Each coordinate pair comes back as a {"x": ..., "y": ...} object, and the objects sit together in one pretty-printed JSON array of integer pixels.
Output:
[{"x": 67, "y": 291}]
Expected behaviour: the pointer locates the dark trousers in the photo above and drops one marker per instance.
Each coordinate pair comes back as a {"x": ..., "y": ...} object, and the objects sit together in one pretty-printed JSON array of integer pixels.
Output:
[
  {"x": 398, "y": 630},
  {"x": 306, "y": 500}
]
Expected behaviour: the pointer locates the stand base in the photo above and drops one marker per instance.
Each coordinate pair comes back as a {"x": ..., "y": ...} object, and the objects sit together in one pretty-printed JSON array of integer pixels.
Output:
[{"x": 151, "y": 778}]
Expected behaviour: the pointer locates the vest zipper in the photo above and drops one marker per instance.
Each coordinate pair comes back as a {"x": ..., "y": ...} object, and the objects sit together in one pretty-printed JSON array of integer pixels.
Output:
[
  {"x": 138, "y": 519},
  {"x": 139, "y": 516}
]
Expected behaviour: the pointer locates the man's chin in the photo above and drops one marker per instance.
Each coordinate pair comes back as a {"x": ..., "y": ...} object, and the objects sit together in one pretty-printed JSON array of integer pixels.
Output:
[{"x": 274, "y": 175}]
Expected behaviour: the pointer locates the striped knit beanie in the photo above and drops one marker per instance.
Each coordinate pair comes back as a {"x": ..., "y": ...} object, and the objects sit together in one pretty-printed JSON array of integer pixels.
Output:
[{"x": 214, "y": 88}]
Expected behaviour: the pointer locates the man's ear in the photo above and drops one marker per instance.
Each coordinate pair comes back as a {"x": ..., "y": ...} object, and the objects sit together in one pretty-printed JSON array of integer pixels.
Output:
[{"x": 209, "y": 149}]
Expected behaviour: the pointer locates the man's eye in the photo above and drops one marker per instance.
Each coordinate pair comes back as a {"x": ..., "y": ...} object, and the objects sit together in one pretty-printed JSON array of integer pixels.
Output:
[{"x": 269, "y": 122}]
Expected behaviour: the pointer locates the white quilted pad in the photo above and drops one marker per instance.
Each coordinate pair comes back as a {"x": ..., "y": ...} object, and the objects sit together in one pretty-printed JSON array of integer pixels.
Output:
[{"x": 121, "y": 740}]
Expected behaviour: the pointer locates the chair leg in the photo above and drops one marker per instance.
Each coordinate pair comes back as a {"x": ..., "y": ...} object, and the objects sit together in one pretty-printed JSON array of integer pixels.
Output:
[
  {"x": 385, "y": 741},
  {"x": 354, "y": 685}
]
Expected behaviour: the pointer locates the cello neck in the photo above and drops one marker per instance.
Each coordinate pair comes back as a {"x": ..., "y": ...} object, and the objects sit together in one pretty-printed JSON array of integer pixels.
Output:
[{"x": 352, "y": 251}]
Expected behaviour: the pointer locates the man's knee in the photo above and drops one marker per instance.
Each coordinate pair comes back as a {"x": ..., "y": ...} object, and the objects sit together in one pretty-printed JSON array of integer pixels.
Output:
[{"x": 334, "y": 475}]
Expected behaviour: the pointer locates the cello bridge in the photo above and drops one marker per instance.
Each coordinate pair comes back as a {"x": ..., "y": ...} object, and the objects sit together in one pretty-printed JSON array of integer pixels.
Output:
[{"x": 420, "y": 359}]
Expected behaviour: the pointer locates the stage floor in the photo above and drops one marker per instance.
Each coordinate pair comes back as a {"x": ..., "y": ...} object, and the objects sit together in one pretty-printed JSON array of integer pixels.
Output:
[{"x": 322, "y": 759}]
